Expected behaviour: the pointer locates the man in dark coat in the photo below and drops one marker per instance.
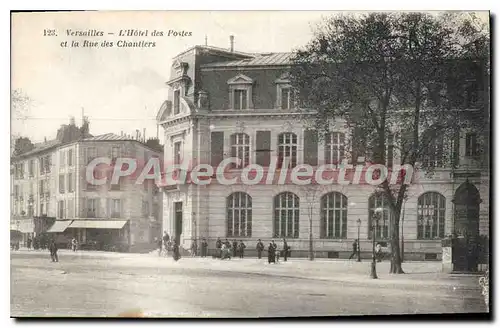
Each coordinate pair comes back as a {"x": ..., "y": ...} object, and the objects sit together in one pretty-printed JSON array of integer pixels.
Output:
[
  {"x": 218, "y": 246},
  {"x": 28, "y": 243},
  {"x": 285, "y": 249},
  {"x": 241, "y": 249},
  {"x": 204, "y": 246},
  {"x": 53, "y": 251},
  {"x": 260, "y": 248},
  {"x": 354, "y": 249},
  {"x": 235, "y": 248},
  {"x": 176, "y": 253},
  {"x": 271, "y": 253}
]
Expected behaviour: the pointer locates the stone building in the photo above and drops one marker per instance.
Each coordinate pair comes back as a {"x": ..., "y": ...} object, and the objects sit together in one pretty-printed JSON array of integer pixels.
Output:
[
  {"x": 49, "y": 182},
  {"x": 223, "y": 103}
]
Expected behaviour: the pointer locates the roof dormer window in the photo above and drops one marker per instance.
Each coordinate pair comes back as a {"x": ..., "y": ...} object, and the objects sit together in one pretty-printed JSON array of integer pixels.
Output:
[{"x": 240, "y": 92}]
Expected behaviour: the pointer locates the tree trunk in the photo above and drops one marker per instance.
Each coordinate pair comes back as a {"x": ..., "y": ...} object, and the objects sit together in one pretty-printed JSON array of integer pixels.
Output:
[{"x": 395, "y": 249}]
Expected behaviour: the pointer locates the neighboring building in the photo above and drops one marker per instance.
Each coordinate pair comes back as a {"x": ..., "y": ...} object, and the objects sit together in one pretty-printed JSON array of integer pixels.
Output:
[
  {"x": 222, "y": 103},
  {"x": 49, "y": 181}
]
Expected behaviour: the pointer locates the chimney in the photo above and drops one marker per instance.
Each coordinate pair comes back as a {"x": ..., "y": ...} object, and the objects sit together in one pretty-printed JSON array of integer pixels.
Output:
[
  {"x": 231, "y": 40},
  {"x": 44, "y": 139}
]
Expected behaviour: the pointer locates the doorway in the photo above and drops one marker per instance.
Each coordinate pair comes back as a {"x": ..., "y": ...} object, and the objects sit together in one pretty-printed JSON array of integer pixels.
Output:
[
  {"x": 465, "y": 253},
  {"x": 178, "y": 221}
]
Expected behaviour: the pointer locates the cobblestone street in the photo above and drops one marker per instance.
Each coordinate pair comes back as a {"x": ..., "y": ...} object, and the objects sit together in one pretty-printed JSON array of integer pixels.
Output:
[{"x": 107, "y": 284}]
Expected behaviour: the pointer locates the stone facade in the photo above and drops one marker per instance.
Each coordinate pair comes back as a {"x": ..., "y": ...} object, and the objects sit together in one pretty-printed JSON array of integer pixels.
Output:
[
  {"x": 61, "y": 191},
  {"x": 206, "y": 108}
]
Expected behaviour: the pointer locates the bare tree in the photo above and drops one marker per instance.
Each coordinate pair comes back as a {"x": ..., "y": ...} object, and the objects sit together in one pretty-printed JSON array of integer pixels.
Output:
[{"x": 392, "y": 75}]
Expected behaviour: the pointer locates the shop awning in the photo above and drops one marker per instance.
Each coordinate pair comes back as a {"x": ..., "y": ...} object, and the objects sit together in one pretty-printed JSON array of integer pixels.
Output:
[
  {"x": 60, "y": 226},
  {"x": 23, "y": 225},
  {"x": 98, "y": 224}
]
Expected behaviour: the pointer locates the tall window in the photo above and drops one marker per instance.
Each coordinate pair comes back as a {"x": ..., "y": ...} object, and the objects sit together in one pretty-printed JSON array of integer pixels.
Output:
[
  {"x": 92, "y": 207},
  {"x": 471, "y": 145},
  {"x": 240, "y": 148},
  {"x": 62, "y": 181},
  {"x": 239, "y": 215},
  {"x": 240, "y": 99},
  {"x": 431, "y": 212},
  {"x": 177, "y": 152},
  {"x": 287, "y": 148},
  {"x": 334, "y": 215},
  {"x": 62, "y": 158},
  {"x": 42, "y": 209},
  {"x": 115, "y": 153},
  {"x": 334, "y": 147},
  {"x": 71, "y": 208},
  {"x": 379, "y": 201},
  {"x": 286, "y": 98},
  {"x": 71, "y": 187},
  {"x": 31, "y": 168},
  {"x": 60, "y": 209},
  {"x": 177, "y": 102},
  {"x": 70, "y": 157},
  {"x": 286, "y": 215},
  {"x": 434, "y": 155},
  {"x": 115, "y": 210}
]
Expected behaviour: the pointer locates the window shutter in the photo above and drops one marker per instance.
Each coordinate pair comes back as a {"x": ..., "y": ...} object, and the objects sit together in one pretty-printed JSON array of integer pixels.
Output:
[
  {"x": 217, "y": 148},
  {"x": 310, "y": 147},
  {"x": 263, "y": 148}
]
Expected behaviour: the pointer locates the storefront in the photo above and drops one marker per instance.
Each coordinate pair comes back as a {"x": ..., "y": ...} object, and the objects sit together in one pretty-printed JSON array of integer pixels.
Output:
[{"x": 106, "y": 235}]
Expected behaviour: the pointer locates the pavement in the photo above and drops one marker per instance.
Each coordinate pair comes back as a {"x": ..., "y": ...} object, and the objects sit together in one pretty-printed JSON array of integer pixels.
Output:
[{"x": 106, "y": 284}]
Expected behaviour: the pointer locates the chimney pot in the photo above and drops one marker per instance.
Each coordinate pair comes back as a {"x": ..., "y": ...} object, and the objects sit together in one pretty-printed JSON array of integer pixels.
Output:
[{"x": 231, "y": 40}]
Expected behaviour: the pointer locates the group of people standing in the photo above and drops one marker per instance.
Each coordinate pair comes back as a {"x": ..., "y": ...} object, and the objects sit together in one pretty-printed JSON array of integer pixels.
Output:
[{"x": 224, "y": 250}]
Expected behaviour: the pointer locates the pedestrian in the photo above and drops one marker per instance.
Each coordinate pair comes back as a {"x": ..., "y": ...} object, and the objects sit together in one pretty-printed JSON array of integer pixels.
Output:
[
  {"x": 235, "y": 248},
  {"x": 74, "y": 244},
  {"x": 241, "y": 249},
  {"x": 285, "y": 249},
  {"x": 204, "y": 246},
  {"x": 168, "y": 248},
  {"x": 218, "y": 248},
  {"x": 53, "y": 251},
  {"x": 159, "y": 243},
  {"x": 28, "y": 243},
  {"x": 176, "y": 253},
  {"x": 378, "y": 252},
  {"x": 276, "y": 252},
  {"x": 260, "y": 248},
  {"x": 271, "y": 254},
  {"x": 194, "y": 248},
  {"x": 354, "y": 249}
]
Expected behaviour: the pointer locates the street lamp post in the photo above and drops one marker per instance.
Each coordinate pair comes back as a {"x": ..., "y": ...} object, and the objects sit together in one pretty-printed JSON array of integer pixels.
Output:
[
  {"x": 376, "y": 218},
  {"x": 359, "y": 247}
]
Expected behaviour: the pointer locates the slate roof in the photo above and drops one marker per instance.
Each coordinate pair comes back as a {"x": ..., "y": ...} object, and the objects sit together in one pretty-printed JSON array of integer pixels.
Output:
[
  {"x": 264, "y": 59},
  {"x": 107, "y": 137}
]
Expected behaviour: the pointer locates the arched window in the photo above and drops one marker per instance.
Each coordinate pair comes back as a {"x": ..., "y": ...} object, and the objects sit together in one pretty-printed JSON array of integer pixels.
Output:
[
  {"x": 431, "y": 212},
  {"x": 286, "y": 215},
  {"x": 240, "y": 148},
  {"x": 384, "y": 222},
  {"x": 239, "y": 215},
  {"x": 334, "y": 215},
  {"x": 334, "y": 147},
  {"x": 287, "y": 148}
]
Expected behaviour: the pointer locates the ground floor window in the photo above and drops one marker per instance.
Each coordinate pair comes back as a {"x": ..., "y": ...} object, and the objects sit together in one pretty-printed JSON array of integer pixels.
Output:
[{"x": 286, "y": 215}]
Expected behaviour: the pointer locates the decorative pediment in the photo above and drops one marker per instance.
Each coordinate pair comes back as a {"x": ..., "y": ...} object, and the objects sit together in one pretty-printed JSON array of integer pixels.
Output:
[
  {"x": 180, "y": 67},
  {"x": 284, "y": 78},
  {"x": 165, "y": 111},
  {"x": 240, "y": 79}
]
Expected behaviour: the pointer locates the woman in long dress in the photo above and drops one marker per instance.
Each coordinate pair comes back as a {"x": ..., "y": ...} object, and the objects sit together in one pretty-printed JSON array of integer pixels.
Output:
[{"x": 271, "y": 253}]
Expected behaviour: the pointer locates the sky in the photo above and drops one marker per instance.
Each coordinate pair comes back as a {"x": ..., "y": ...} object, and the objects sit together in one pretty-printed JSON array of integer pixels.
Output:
[{"x": 122, "y": 89}]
